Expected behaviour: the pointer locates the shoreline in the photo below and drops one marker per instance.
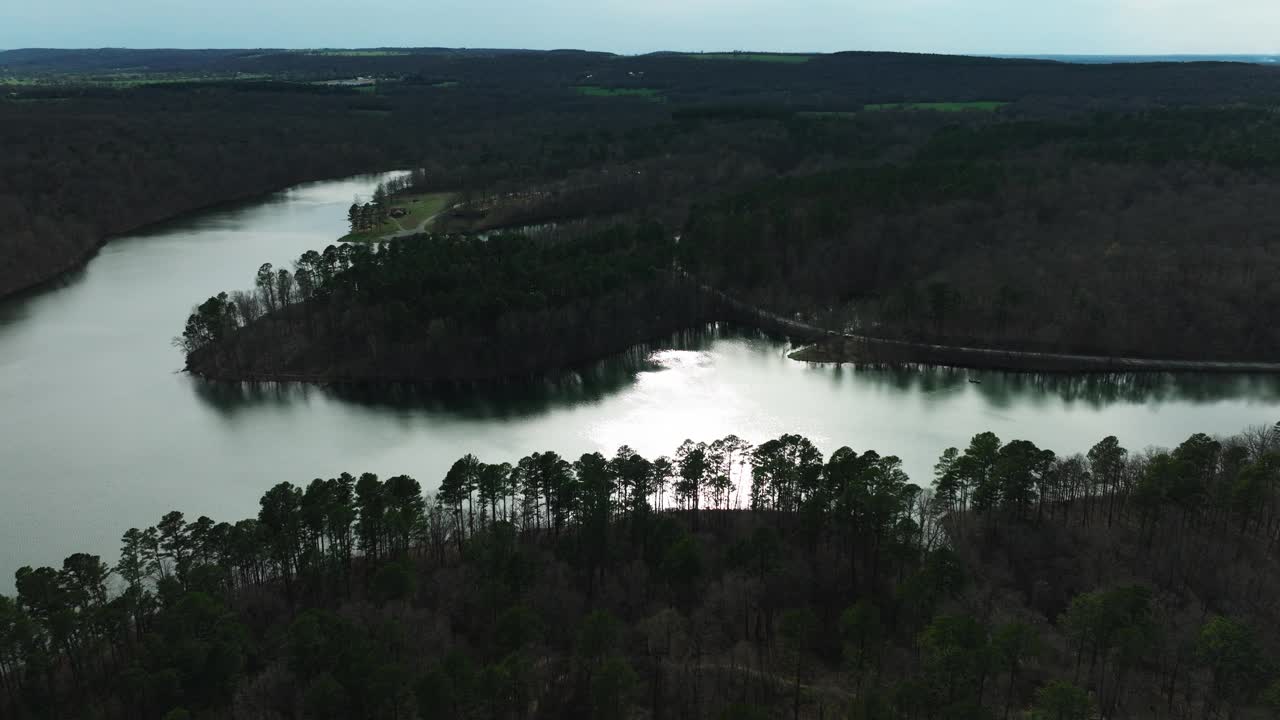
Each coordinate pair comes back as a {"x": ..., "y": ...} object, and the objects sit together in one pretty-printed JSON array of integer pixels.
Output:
[
  {"x": 825, "y": 347},
  {"x": 863, "y": 350},
  {"x": 848, "y": 350},
  {"x": 832, "y": 347},
  {"x": 51, "y": 277}
]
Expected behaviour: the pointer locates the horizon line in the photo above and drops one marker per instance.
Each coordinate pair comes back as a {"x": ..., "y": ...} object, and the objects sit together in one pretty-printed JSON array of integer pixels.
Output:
[{"x": 991, "y": 54}]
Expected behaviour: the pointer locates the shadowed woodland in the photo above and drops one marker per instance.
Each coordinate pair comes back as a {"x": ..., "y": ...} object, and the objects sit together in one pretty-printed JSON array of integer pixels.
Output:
[
  {"x": 447, "y": 309},
  {"x": 725, "y": 581}
]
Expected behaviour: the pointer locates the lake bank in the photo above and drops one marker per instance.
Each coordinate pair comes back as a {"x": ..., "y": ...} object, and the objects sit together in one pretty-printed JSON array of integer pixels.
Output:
[
  {"x": 833, "y": 347},
  {"x": 241, "y": 363},
  {"x": 46, "y": 273},
  {"x": 879, "y": 351}
]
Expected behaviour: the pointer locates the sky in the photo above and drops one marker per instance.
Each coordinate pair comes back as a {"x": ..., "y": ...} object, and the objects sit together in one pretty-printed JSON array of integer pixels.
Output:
[{"x": 637, "y": 26}]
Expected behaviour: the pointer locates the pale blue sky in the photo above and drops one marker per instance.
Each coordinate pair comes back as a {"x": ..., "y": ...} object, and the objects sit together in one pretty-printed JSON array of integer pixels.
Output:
[{"x": 631, "y": 26}]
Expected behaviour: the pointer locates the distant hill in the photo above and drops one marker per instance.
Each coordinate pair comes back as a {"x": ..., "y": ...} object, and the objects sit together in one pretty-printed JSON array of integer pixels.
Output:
[{"x": 1108, "y": 59}]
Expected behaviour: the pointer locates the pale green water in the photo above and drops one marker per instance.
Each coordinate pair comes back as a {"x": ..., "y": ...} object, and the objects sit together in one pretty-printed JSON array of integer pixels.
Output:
[{"x": 100, "y": 432}]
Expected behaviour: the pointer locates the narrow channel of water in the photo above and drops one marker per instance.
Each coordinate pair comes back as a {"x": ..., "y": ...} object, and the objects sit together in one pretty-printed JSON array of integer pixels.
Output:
[{"x": 100, "y": 432}]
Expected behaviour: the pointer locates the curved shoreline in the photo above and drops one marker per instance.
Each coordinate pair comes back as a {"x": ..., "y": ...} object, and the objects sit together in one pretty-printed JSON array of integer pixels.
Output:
[
  {"x": 826, "y": 347},
  {"x": 830, "y": 346},
  {"x": 51, "y": 276},
  {"x": 857, "y": 349}
]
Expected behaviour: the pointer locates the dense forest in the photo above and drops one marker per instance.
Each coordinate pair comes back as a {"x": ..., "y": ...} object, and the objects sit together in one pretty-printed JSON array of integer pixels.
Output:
[
  {"x": 1123, "y": 210},
  {"x": 84, "y": 164},
  {"x": 724, "y": 581},
  {"x": 1148, "y": 234},
  {"x": 102, "y": 142},
  {"x": 447, "y": 309}
]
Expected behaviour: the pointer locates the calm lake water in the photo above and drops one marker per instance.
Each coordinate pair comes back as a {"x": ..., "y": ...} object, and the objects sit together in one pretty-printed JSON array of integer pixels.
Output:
[{"x": 99, "y": 431}]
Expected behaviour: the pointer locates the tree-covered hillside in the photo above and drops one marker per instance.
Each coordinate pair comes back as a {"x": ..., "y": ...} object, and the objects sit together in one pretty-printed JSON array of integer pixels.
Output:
[
  {"x": 724, "y": 581},
  {"x": 1151, "y": 234}
]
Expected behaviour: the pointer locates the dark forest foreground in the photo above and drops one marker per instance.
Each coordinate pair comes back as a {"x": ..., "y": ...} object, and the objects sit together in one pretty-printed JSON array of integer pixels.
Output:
[{"x": 1112, "y": 584}]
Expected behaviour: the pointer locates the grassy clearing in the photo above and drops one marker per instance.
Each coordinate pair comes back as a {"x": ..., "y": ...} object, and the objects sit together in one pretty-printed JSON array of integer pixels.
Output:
[
  {"x": 753, "y": 57},
  {"x": 979, "y": 106},
  {"x": 601, "y": 91},
  {"x": 420, "y": 206},
  {"x": 447, "y": 84}
]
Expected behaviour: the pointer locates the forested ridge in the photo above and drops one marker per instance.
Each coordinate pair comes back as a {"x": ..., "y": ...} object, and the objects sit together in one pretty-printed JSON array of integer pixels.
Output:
[
  {"x": 103, "y": 142},
  {"x": 725, "y": 581}
]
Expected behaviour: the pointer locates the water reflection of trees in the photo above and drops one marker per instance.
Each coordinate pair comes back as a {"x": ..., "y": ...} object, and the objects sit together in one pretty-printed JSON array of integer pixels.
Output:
[
  {"x": 514, "y": 399},
  {"x": 1002, "y": 389},
  {"x": 525, "y": 398}
]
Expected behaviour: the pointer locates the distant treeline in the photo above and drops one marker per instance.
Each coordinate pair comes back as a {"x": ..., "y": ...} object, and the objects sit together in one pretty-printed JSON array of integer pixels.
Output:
[
  {"x": 92, "y": 151},
  {"x": 838, "y": 81},
  {"x": 728, "y": 580}
]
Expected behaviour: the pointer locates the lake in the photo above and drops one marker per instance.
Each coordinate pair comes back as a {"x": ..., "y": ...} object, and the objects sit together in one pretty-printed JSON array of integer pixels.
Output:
[{"x": 100, "y": 431}]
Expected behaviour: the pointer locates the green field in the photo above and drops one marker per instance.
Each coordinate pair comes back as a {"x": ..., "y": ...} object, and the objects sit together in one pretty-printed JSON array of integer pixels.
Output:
[
  {"x": 447, "y": 84},
  {"x": 421, "y": 207},
  {"x": 600, "y": 91},
  {"x": 753, "y": 57},
  {"x": 980, "y": 106}
]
